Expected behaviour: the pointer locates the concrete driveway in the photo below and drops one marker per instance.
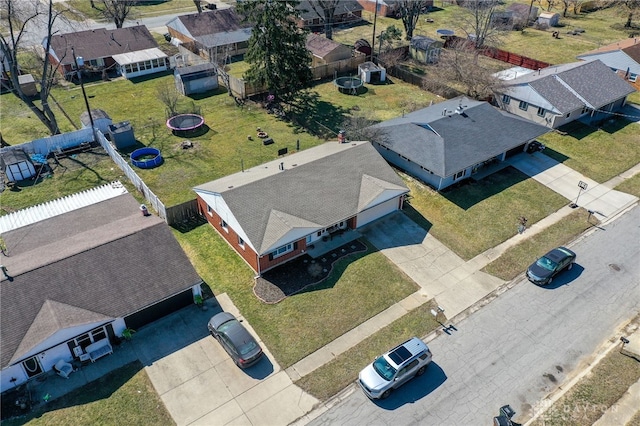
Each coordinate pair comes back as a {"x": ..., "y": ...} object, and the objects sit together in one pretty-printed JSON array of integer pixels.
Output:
[{"x": 199, "y": 383}]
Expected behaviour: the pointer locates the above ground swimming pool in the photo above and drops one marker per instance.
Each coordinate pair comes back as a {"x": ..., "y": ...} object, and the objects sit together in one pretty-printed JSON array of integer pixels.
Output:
[{"x": 146, "y": 158}]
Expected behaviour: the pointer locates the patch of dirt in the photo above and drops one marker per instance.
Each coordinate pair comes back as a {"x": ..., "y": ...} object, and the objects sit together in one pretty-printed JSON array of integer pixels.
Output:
[{"x": 298, "y": 274}]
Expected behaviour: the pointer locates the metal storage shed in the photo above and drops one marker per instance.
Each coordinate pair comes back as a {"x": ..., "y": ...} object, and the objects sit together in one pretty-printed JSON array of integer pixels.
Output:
[
  {"x": 16, "y": 165},
  {"x": 101, "y": 120},
  {"x": 196, "y": 79},
  {"x": 549, "y": 18}
]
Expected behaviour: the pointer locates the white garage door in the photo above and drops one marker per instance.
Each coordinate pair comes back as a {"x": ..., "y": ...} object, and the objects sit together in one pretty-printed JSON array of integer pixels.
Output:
[{"x": 377, "y": 211}]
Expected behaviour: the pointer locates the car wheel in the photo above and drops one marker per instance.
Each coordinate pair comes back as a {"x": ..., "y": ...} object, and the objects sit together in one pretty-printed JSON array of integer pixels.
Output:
[
  {"x": 570, "y": 266},
  {"x": 420, "y": 371},
  {"x": 385, "y": 394}
]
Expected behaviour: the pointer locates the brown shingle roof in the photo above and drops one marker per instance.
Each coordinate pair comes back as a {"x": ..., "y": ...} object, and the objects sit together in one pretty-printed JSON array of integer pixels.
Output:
[
  {"x": 92, "y": 264},
  {"x": 212, "y": 22},
  {"x": 319, "y": 45},
  {"x": 101, "y": 43}
]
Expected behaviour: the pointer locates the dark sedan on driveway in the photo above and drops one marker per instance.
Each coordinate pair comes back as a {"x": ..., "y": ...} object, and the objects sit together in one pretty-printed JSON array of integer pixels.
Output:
[
  {"x": 235, "y": 339},
  {"x": 543, "y": 270}
]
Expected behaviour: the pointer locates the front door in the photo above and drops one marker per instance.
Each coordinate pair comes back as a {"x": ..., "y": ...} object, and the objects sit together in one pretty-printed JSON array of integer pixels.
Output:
[{"x": 32, "y": 366}]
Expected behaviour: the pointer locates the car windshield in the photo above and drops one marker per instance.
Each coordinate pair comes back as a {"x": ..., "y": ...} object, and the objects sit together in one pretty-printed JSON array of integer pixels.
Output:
[
  {"x": 247, "y": 347},
  {"x": 383, "y": 368},
  {"x": 546, "y": 263}
]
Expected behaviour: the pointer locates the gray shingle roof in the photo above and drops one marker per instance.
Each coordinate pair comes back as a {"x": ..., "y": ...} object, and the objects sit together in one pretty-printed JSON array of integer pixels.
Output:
[
  {"x": 570, "y": 86},
  {"x": 343, "y": 7},
  {"x": 92, "y": 264},
  {"x": 101, "y": 43},
  {"x": 446, "y": 144},
  {"x": 319, "y": 187}
]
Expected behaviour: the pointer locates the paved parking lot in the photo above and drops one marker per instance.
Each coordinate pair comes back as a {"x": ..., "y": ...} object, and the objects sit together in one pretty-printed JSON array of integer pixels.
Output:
[{"x": 200, "y": 384}]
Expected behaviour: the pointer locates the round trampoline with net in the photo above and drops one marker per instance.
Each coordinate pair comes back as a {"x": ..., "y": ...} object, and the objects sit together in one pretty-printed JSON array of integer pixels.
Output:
[
  {"x": 185, "y": 124},
  {"x": 348, "y": 85}
]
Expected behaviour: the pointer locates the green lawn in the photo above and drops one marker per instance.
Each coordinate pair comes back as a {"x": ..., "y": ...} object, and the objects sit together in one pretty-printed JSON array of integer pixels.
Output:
[
  {"x": 601, "y": 27},
  {"x": 151, "y": 8},
  {"x": 125, "y": 396},
  {"x": 599, "y": 153},
  {"x": 480, "y": 215},
  {"x": 334, "y": 376},
  {"x": 358, "y": 288},
  {"x": 630, "y": 186},
  {"x": 516, "y": 259}
]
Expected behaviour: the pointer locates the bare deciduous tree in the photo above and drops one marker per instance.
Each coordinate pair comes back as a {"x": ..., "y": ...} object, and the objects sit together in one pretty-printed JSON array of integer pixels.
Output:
[
  {"x": 476, "y": 20},
  {"x": 626, "y": 7},
  {"x": 198, "y": 4},
  {"x": 325, "y": 9},
  {"x": 358, "y": 128},
  {"x": 17, "y": 15},
  {"x": 410, "y": 13},
  {"x": 460, "y": 65},
  {"x": 117, "y": 11},
  {"x": 169, "y": 96}
]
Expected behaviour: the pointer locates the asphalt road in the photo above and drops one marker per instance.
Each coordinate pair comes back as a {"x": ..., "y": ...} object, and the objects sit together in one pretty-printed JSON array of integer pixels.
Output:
[{"x": 522, "y": 345}]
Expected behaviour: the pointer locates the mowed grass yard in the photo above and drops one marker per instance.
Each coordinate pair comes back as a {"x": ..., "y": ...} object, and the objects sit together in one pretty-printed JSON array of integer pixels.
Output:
[
  {"x": 601, "y": 27},
  {"x": 359, "y": 287}
]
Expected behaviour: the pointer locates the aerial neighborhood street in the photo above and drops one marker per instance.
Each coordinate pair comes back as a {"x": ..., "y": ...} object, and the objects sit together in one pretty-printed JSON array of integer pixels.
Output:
[{"x": 323, "y": 212}]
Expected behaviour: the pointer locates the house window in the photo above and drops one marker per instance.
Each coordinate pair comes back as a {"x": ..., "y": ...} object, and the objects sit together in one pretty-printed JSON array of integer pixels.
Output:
[
  {"x": 240, "y": 242},
  {"x": 633, "y": 78},
  {"x": 209, "y": 210},
  {"x": 506, "y": 99},
  {"x": 540, "y": 112},
  {"x": 282, "y": 250},
  {"x": 88, "y": 338},
  {"x": 458, "y": 175},
  {"x": 224, "y": 225},
  {"x": 568, "y": 115},
  {"x": 523, "y": 105}
]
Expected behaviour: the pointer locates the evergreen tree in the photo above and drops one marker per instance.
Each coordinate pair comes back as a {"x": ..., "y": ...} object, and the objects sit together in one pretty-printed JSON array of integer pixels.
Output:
[{"x": 277, "y": 53}]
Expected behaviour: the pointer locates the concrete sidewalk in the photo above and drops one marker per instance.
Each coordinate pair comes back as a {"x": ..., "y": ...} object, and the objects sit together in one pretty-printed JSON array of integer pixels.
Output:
[{"x": 455, "y": 284}]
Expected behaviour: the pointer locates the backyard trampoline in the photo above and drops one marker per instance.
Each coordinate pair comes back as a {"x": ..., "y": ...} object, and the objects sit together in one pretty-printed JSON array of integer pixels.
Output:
[
  {"x": 348, "y": 85},
  {"x": 146, "y": 158},
  {"x": 185, "y": 124}
]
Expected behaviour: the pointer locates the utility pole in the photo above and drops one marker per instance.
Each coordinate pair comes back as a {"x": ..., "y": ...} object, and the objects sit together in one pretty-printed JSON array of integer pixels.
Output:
[
  {"x": 373, "y": 38},
  {"x": 84, "y": 94}
]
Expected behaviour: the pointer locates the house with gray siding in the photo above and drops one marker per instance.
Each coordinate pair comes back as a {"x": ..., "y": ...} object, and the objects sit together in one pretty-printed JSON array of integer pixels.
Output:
[
  {"x": 450, "y": 141},
  {"x": 557, "y": 95},
  {"x": 623, "y": 57}
]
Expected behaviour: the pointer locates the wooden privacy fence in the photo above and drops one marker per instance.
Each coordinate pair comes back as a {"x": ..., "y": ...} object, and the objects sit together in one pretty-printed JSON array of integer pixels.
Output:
[
  {"x": 515, "y": 59},
  {"x": 241, "y": 89},
  {"x": 181, "y": 212},
  {"x": 499, "y": 54}
]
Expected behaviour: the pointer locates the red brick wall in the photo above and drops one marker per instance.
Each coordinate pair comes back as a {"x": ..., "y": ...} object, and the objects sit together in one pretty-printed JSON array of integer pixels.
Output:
[
  {"x": 247, "y": 252},
  {"x": 229, "y": 235}
]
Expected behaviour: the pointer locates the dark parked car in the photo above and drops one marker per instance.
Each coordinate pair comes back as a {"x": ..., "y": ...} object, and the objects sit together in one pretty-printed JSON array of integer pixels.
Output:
[
  {"x": 543, "y": 270},
  {"x": 235, "y": 339}
]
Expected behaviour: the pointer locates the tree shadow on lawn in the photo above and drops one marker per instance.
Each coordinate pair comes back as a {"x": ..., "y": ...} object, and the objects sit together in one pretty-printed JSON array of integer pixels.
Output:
[
  {"x": 469, "y": 192},
  {"x": 318, "y": 118}
]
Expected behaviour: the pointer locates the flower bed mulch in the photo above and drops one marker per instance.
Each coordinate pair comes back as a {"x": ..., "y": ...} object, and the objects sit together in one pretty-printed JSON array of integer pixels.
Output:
[{"x": 300, "y": 273}]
